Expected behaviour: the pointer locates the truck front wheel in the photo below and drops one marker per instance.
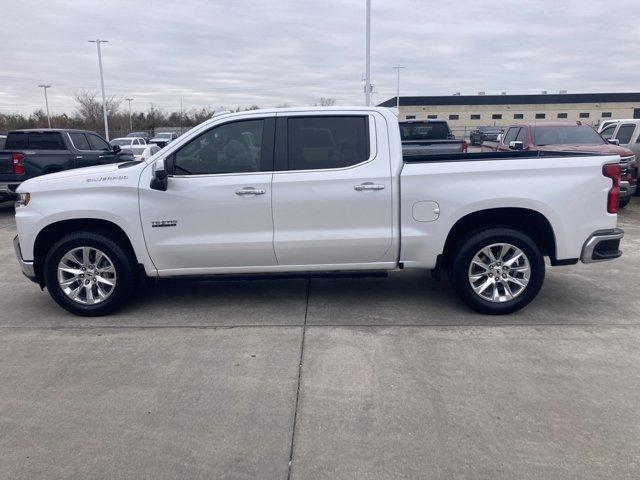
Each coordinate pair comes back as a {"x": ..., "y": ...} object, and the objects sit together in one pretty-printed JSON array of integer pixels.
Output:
[
  {"x": 497, "y": 271},
  {"x": 88, "y": 274}
]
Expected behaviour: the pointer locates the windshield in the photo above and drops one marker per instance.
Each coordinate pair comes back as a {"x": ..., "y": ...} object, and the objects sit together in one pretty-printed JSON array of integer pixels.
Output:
[
  {"x": 138, "y": 150},
  {"x": 424, "y": 131},
  {"x": 121, "y": 142},
  {"x": 163, "y": 135},
  {"x": 563, "y": 135}
]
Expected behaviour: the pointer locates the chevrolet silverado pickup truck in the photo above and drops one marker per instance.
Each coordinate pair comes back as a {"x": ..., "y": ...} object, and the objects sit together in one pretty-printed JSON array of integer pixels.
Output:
[
  {"x": 29, "y": 153},
  {"x": 313, "y": 190},
  {"x": 568, "y": 137}
]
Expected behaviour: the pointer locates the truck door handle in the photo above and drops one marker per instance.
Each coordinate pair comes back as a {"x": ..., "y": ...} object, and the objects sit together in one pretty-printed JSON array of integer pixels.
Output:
[
  {"x": 368, "y": 186},
  {"x": 250, "y": 191},
  {"x": 78, "y": 157}
]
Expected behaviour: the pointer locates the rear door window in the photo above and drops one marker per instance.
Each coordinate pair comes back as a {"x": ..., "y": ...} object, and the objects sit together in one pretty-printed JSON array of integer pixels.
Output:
[{"x": 321, "y": 142}]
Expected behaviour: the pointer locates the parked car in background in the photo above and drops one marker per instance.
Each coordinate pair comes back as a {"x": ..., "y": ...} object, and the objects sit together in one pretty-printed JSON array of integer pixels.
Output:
[
  {"x": 145, "y": 135},
  {"x": 162, "y": 139},
  {"x": 605, "y": 123},
  {"x": 420, "y": 137},
  {"x": 30, "y": 153},
  {"x": 2, "y": 140},
  {"x": 627, "y": 134},
  {"x": 144, "y": 152},
  {"x": 209, "y": 204},
  {"x": 483, "y": 134},
  {"x": 128, "y": 142},
  {"x": 568, "y": 137}
]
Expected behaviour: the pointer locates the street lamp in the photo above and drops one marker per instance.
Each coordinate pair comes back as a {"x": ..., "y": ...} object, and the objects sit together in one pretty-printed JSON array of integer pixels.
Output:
[
  {"x": 367, "y": 81},
  {"x": 397, "y": 69},
  {"x": 97, "y": 41},
  {"x": 46, "y": 101},
  {"x": 130, "y": 122}
]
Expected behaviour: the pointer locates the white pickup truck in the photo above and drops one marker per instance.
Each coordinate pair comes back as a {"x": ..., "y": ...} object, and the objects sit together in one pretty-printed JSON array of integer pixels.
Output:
[{"x": 315, "y": 190}]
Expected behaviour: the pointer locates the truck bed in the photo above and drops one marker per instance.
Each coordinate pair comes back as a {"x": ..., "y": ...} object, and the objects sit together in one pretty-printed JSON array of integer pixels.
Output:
[{"x": 469, "y": 157}]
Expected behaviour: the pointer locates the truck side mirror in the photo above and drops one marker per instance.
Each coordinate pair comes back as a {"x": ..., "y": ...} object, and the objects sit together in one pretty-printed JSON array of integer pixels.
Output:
[
  {"x": 159, "y": 176},
  {"x": 516, "y": 145},
  {"x": 116, "y": 149},
  {"x": 614, "y": 141}
]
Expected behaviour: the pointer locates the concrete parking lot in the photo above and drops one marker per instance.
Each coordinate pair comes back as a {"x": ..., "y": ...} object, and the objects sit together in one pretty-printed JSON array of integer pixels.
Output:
[{"x": 325, "y": 379}]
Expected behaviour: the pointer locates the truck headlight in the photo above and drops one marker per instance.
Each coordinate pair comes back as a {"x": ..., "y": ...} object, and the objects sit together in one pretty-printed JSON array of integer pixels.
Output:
[{"x": 23, "y": 200}]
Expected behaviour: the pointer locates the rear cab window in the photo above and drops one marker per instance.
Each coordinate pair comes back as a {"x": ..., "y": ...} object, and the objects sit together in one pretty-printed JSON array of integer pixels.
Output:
[
  {"x": 424, "y": 131},
  {"x": 35, "y": 141}
]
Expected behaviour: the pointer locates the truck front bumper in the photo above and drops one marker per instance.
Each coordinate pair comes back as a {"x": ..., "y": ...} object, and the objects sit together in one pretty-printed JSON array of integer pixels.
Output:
[
  {"x": 27, "y": 267},
  {"x": 602, "y": 245},
  {"x": 626, "y": 189}
]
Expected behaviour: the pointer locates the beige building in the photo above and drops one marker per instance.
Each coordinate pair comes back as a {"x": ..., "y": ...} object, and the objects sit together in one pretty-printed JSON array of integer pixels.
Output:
[{"x": 465, "y": 112}]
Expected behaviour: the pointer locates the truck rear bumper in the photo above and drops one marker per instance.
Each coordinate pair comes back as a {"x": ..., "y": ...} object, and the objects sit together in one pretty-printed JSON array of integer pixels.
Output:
[
  {"x": 602, "y": 245},
  {"x": 27, "y": 267}
]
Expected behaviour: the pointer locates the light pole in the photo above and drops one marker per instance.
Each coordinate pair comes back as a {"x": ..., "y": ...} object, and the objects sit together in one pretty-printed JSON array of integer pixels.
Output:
[
  {"x": 46, "y": 101},
  {"x": 97, "y": 41},
  {"x": 397, "y": 69},
  {"x": 367, "y": 81},
  {"x": 130, "y": 122}
]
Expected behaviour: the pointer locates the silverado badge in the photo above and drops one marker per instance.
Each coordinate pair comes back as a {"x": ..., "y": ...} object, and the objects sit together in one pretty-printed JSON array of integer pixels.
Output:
[{"x": 164, "y": 223}]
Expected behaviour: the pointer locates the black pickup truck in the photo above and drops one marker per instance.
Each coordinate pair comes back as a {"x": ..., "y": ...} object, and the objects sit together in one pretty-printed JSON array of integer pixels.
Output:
[
  {"x": 30, "y": 153},
  {"x": 429, "y": 137}
]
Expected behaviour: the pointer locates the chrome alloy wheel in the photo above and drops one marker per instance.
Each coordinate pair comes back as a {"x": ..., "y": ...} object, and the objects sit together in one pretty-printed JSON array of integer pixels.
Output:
[
  {"x": 499, "y": 272},
  {"x": 86, "y": 275}
]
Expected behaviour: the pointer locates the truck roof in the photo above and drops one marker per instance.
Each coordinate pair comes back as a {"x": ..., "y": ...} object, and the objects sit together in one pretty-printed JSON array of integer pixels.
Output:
[
  {"x": 44, "y": 130},
  {"x": 547, "y": 124}
]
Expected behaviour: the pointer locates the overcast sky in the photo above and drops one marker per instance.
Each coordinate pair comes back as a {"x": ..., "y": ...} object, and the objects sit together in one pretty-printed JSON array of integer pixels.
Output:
[{"x": 243, "y": 52}]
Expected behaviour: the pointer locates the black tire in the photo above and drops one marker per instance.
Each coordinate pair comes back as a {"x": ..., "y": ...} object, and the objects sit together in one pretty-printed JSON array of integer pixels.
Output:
[
  {"x": 464, "y": 253},
  {"x": 122, "y": 262}
]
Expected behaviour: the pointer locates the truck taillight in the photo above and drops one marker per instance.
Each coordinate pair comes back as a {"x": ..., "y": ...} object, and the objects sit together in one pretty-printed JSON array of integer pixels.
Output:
[
  {"x": 612, "y": 171},
  {"x": 18, "y": 163}
]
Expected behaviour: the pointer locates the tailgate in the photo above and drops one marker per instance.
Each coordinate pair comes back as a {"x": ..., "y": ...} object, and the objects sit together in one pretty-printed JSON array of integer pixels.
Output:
[
  {"x": 6, "y": 162},
  {"x": 434, "y": 147}
]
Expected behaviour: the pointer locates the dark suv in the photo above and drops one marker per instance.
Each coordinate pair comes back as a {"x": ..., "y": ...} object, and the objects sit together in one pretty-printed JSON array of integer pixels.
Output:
[{"x": 482, "y": 134}]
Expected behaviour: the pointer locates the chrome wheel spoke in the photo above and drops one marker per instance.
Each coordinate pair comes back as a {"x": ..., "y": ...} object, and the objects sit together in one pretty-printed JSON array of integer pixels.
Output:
[
  {"x": 86, "y": 275},
  {"x": 481, "y": 288},
  {"x": 100, "y": 279},
  {"x": 499, "y": 272}
]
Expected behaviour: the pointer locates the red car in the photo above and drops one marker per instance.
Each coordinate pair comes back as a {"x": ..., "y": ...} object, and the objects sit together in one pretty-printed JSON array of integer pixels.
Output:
[{"x": 568, "y": 137}]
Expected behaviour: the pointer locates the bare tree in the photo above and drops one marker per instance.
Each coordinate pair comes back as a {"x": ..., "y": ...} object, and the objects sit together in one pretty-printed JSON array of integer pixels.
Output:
[{"x": 326, "y": 102}]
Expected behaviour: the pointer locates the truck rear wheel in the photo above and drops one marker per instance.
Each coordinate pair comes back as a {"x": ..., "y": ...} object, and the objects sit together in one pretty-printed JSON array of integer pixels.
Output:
[
  {"x": 497, "y": 271},
  {"x": 88, "y": 274}
]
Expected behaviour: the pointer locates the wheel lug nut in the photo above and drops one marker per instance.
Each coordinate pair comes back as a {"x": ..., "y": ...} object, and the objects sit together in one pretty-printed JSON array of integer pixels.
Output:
[
  {"x": 86, "y": 282},
  {"x": 490, "y": 275},
  {"x": 504, "y": 275}
]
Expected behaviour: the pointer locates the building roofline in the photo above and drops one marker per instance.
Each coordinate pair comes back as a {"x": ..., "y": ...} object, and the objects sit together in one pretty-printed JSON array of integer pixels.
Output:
[{"x": 538, "y": 99}]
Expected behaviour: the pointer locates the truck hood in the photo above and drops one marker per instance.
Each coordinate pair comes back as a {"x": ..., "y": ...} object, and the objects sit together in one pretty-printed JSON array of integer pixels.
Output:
[
  {"x": 96, "y": 173},
  {"x": 606, "y": 149}
]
